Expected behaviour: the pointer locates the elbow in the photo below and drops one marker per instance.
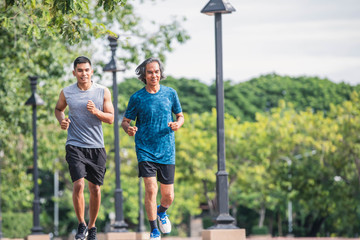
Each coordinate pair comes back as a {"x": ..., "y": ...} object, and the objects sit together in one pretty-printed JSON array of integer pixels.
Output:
[{"x": 111, "y": 121}]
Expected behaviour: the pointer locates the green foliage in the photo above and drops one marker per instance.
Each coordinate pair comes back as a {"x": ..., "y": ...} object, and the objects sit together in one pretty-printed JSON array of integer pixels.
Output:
[
  {"x": 263, "y": 93},
  {"x": 56, "y": 18},
  {"x": 12, "y": 230},
  {"x": 300, "y": 157},
  {"x": 244, "y": 100},
  {"x": 259, "y": 230}
]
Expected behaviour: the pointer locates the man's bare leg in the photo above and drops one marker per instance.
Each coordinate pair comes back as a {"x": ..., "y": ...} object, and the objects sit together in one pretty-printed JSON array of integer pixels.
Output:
[
  {"x": 78, "y": 199},
  {"x": 167, "y": 194},
  {"x": 151, "y": 189},
  {"x": 94, "y": 204}
]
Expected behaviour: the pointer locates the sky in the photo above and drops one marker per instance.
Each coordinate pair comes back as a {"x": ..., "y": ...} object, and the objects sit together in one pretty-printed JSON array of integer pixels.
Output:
[{"x": 287, "y": 37}]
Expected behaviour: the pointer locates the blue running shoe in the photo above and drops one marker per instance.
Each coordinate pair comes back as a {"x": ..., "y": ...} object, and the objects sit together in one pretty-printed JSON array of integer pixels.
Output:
[
  {"x": 164, "y": 222},
  {"x": 155, "y": 234}
]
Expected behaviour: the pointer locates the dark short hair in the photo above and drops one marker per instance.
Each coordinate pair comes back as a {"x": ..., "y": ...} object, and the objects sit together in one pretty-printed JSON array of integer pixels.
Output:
[
  {"x": 81, "y": 59},
  {"x": 141, "y": 69}
]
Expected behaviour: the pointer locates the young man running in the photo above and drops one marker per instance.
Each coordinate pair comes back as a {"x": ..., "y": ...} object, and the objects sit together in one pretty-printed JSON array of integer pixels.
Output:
[{"x": 89, "y": 105}]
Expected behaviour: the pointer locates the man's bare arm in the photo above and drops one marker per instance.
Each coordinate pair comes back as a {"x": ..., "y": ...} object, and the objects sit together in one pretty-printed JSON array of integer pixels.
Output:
[
  {"x": 107, "y": 115},
  {"x": 125, "y": 124},
  {"x": 179, "y": 122},
  {"x": 59, "y": 112}
]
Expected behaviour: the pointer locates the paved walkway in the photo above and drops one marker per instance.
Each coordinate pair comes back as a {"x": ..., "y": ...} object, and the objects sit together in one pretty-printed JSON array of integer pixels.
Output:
[{"x": 180, "y": 238}]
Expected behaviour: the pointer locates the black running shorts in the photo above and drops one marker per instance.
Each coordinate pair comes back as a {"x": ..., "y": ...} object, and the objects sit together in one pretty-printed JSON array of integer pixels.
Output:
[
  {"x": 165, "y": 172},
  {"x": 88, "y": 163}
]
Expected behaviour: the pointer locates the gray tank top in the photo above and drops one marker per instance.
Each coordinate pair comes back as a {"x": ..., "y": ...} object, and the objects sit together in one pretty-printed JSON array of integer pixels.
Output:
[{"x": 85, "y": 129}]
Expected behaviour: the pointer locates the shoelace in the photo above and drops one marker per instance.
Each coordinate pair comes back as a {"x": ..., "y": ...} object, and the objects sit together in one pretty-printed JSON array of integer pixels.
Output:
[
  {"x": 163, "y": 218},
  {"x": 81, "y": 228},
  {"x": 156, "y": 234},
  {"x": 92, "y": 235}
]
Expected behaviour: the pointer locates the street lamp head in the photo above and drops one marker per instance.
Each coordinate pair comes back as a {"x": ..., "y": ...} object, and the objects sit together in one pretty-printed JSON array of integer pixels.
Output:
[
  {"x": 35, "y": 99},
  {"x": 113, "y": 41},
  {"x": 111, "y": 66},
  {"x": 218, "y": 6}
]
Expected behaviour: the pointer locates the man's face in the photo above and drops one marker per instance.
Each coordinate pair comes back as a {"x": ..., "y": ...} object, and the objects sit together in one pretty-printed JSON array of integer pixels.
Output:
[
  {"x": 153, "y": 74},
  {"x": 83, "y": 72}
]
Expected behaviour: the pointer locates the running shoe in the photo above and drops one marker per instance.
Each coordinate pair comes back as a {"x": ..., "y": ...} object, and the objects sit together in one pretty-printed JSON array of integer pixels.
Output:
[
  {"x": 155, "y": 234},
  {"x": 82, "y": 232},
  {"x": 164, "y": 222},
  {"x": 92, "y": 234}
]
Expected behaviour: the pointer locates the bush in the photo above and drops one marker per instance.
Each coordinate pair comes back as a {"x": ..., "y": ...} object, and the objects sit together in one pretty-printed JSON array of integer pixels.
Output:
[
  {"x": 208, "y": 221},
  {"x": 256, "y": 230},
  {"x": 16, "y": 225}
]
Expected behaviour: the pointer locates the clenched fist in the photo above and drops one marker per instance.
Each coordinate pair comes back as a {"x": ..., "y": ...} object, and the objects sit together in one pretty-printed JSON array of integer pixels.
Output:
[
  {"x": 131, "y": 130},
  {"x": 174, "y": 126},
  {"x": 65, "y": 123},
  {"x": 91, "y": 107}
]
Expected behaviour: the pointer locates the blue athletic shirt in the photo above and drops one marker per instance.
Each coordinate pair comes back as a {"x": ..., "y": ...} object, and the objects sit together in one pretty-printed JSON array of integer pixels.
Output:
[{"x": 154, "y": 140}]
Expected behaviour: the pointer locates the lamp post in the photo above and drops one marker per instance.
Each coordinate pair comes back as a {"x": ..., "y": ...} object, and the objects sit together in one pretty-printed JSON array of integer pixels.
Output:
[
  {"x": 119, "y": 225},
  {"x": 223, "y": 220},
  {"x": 35, "y": 100}
]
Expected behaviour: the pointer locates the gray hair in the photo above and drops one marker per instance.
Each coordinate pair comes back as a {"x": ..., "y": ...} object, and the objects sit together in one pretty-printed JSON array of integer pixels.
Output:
[{"x": 141, "y": 69}]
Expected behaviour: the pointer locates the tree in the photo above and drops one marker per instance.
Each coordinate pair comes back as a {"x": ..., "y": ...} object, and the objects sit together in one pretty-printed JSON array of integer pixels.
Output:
[
  {"x": 263, "y": 93},
  {"x": 56, "y": 18}
]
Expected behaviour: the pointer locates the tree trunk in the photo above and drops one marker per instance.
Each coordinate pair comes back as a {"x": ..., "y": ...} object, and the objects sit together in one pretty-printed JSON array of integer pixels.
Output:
[
  {"x": 234, "y": 213},
  {"x": 315, "y": 228},
  {"x": 209, "y": 201},
  {"x": 357, "y": 163},
  {"x": 271, "y": 222},
  {"x": 280, "y": 225},
  {"x": 262, "y": 215}
]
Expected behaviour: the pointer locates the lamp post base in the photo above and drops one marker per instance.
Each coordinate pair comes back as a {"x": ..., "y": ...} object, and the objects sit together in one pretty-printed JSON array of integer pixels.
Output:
[
  {"x": 121, "y": 236},
  {"x": 224, "y": 221},
  {"x": 38, "y": 236},
  {"x": 119, "y": 226},
  {"x": 37, "y": 230},
  {"x": 223, "y": 234},
  {"x": 223, "y": 226}
]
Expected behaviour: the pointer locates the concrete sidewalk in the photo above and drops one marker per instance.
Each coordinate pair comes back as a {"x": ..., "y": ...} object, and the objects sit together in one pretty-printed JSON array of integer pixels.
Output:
[{"x": 180, "y": 238}]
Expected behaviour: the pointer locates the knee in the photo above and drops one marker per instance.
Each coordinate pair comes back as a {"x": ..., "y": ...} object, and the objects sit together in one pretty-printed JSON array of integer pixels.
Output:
[
  {"x": 152, "y": 190},
  {"x": 94, "y": 189},
  {"x": 168, "y": 197},
  {"x": 79, "y": 186}
]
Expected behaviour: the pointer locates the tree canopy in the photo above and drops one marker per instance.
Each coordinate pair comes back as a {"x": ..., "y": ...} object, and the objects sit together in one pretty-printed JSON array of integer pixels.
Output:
[{"x": 260, "y": 94}]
